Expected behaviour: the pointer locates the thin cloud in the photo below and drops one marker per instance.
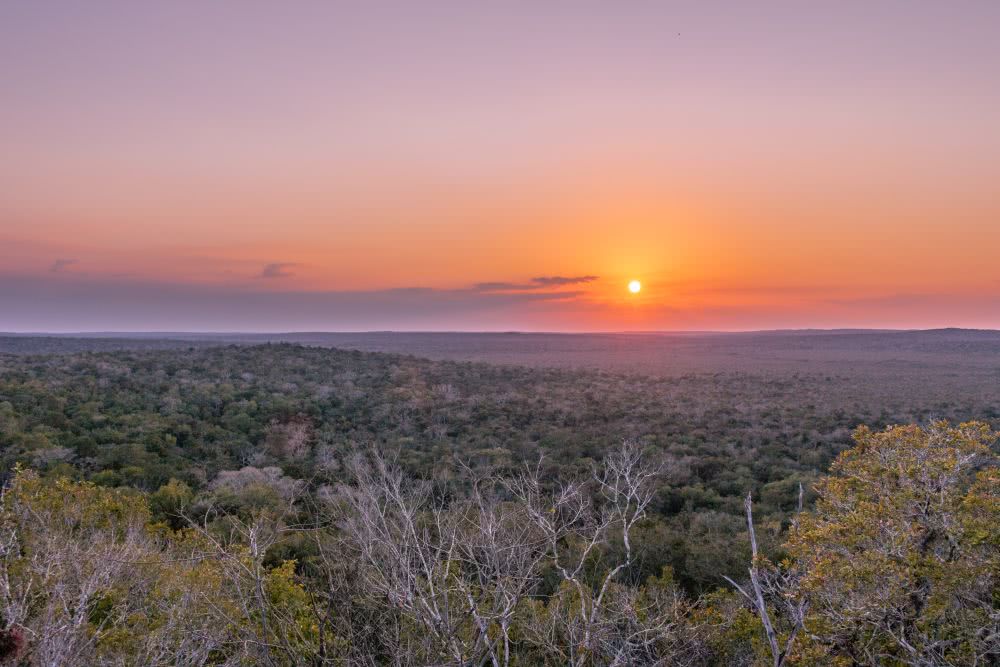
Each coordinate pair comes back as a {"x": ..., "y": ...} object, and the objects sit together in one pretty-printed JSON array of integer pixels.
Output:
[
  {"x": 501, "y": 287},
  {"x": 60, "y": 264},
  {"x": 47, "y": 304},
  {"x": 537, "y": 283},
  {"x": 276, "y": 270},
  {"x": 553, "y": 281}
]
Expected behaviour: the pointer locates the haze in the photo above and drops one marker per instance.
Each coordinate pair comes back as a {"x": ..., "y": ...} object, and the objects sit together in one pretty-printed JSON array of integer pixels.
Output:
[{"x": 428, "y": 166}]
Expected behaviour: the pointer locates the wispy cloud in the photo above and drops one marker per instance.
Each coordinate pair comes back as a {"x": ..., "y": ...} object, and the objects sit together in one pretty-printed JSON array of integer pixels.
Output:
[
  {"x": 49, "y": 302},
  {"x": 277, "y": 270},
  {"x": 61, "y": 264},
  {"x": 500, "y": 287},
  {"x": 538, "y": 283},
  {"x": 44, "y": 303},
  {"x": 551, "y": 281}
]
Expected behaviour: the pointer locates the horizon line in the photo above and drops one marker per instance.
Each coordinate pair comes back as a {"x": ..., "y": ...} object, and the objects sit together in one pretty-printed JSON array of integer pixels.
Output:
[{"x": 118, "y": 333}]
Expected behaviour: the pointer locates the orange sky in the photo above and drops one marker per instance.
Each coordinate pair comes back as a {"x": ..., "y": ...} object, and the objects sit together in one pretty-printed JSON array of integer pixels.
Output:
[{"x": 355, "y": 169}]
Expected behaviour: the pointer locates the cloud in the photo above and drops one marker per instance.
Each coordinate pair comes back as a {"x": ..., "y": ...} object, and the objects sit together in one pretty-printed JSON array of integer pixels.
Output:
[
  {"x": 60, "y": 264},
  {"x": 50, "y": 302},
  {"x": 538, "y": 283},
  {"x": 550, "y": 281},
  {"x": 276, "y": 270},
  {"x": 501, "y": 287},
  {"x": 36, "y": 303}
]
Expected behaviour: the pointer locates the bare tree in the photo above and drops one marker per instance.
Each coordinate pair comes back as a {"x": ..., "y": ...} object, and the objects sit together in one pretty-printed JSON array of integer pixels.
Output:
[
  {"x": 598, "y": 621},
  {"x": 457, "y": 569},
  {"x": 777, "y": 584}
]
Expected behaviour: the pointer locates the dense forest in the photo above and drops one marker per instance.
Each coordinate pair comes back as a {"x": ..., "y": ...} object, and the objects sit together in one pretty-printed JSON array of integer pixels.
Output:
[{"x": 279, "y": 504}]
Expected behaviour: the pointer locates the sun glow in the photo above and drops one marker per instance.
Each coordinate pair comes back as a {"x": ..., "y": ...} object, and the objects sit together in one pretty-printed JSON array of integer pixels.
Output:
[{"x": 634, "y": 286}]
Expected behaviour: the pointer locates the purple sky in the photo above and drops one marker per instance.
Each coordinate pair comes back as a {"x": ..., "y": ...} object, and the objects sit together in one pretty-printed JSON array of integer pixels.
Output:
[{"x": 332, "y": 165}]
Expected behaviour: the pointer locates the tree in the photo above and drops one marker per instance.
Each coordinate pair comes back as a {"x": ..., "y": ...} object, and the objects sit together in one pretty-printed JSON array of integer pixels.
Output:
[
  {"x": 456, "y": 570},
  {"x": 67, "y": 565},
  {"x": 899, "y": 562},
  {"x": 592, "y": 620},
  {"x": 902, "y": 550},
  {"x": 464, "y": 570},
  {"x": 775, "y": 594},
  {"x": 87, "y": 579}
]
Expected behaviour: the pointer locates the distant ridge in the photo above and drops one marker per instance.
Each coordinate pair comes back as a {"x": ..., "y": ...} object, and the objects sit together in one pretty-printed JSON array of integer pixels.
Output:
[{"x": 659, "y": 332}]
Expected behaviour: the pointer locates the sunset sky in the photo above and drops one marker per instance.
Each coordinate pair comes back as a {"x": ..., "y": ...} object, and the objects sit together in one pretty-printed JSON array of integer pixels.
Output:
[{"x": 280, "y": 166}]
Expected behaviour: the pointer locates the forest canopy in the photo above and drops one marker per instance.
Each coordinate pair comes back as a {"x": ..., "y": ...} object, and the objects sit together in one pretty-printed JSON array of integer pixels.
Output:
[{"x": 287, "y": 505}]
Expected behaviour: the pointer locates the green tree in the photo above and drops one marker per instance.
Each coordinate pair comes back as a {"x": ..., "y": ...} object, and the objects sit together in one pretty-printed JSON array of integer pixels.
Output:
[
  {"x": 168, "y": 502},
  {"x": 901, "y": 556}
]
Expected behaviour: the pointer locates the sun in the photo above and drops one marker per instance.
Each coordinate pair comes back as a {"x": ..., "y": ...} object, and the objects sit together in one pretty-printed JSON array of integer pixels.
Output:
[{"x": 634, "y": 286}]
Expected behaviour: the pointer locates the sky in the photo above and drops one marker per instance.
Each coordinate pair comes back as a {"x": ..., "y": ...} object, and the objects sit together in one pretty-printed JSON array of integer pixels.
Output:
[{"x": 342, "y": 166}]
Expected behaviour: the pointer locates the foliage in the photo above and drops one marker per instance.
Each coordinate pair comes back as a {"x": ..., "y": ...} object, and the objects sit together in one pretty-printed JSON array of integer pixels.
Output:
[
  {"x": 901, "y": 552},
  {"x": 244, "y": 424},
  {"x": 899, "y": 561},
  {"x": 285, "y": 505}
]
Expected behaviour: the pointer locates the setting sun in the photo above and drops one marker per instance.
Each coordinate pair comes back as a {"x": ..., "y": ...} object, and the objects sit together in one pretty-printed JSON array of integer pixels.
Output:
[{"x": 634, "y": 286}]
